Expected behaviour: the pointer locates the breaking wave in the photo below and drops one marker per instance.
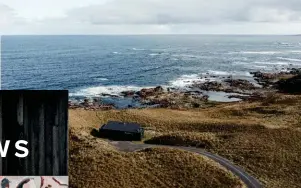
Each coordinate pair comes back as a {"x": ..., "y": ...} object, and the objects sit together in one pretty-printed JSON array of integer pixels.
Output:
[
  {"x": 100, "y": 90},
  {"x": 289, "y": 59}
]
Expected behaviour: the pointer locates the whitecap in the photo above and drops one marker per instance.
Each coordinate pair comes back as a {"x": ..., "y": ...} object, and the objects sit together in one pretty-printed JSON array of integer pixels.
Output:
[
  {"x": 138, "y": 49},
  {"x": 102, "y": 79},
  {"x": 187, "y": 56},
  {"x": 99, "y": 90},
  {"x": 296, "y": 51},
  {"x": 232, "y": 73},
  {"x": 185, "y": 80},
  {"x": 258, "y": 52},
  {"x": 218, "y": 73},
  {"x": 153, "y": 54},
  {"x": 289, "y": 59},
  {"x": 271, "y": 63}
]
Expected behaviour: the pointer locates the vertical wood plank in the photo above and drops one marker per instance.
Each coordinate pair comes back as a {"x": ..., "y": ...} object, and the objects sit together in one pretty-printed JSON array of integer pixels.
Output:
[
  {"x": 63, "y": 131},
  {"x": 41, "y": 170},
  {"x": 49, "y": 123},
  {"x": 32, "y": 138},
  {"x": 26, "y": 133},
  {"x": 55, "y": 140},
  {"x": 35, "y": 132},
  {"x": 20, "y": 110},
  {"x": 20, "y": 124}
]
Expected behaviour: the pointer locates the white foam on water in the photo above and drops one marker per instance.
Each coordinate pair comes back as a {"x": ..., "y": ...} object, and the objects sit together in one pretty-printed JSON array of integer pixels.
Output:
[
  {"x": 185, "y": 80},
  {"x": 154, "y": 54},
  {"x": 110, "y": 90},
  {"x": 296, "y": 51},
  {"x": 259, "y": 66},
  {"x": 284, "y": 43},
  {"x": 102, "y": 79},
  {"x": 240, "y": 63},
  {"x": 279, "y": 63},
  {"x": 116, "y": 53},
  {"x": 138, "y": 49},
  {"x": 233, "y": 73},
  {"x": 158, "y": 49},
  {"x": 289, "y": 59},
  {"x": 259, "y": 52},
  {"x": 219, "y": 73},
  {"x": 187, "y": 56},
  {"x": 271, "y": 63}
]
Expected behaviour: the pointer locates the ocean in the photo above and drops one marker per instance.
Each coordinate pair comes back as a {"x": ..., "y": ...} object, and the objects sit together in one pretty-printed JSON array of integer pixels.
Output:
[{"x": 90, "y": 66}]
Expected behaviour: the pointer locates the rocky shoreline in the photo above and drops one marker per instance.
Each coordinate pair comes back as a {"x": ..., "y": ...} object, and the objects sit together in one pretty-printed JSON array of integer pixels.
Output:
[{"x": 194, "y": 97}]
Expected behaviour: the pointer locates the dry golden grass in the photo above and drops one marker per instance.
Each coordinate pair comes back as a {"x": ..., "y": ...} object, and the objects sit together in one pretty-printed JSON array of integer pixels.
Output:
[
  {"x": 263, "y": 137},
  {"x": 94, "y": 164},
  {"x": 203, "y": 140}
]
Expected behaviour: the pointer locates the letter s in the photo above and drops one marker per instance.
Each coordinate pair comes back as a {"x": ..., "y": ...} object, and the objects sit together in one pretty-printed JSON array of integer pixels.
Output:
[{"x": 25, "y": 150}]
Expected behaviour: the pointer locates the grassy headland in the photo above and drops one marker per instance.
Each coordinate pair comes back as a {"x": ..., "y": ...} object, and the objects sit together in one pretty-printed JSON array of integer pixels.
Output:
[{"x": 263, "y": 137}]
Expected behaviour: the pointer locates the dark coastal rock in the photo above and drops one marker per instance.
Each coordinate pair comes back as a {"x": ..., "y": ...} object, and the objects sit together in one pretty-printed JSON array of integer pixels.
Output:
[
  {"x": 240, "y": 84},
  {"x": 193, "y": 92},
  {"x": 87, "y": 102},
  {"x": 265, "y": 79},
  {"x": 109, "y": 95},
  {"x": 205, "y": 97},
  {"x": 90, "y": 104},
  {"x": 143, "y": 93},
  {"x": 269, "y": 79},
  {"x": 170, "y": 99},
  {"x": 228, "y": 86},
  {"x": 291, "y": 85},
  {"x": 159, "y": 89},
  {"x": 128, "y": 93},
  {"x": 209, "y": 86},
  {"x": 295, "y": 71},
  {"x": 253, "y": 97},
  {"x": 263, "y": 76},
  {"x": 242, "y": 97}
]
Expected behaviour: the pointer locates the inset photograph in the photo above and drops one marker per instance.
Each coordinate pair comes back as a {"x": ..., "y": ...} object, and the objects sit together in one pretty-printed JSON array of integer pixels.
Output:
[
  {"x": 34, "y": 132},
  {"x": 34, "y": 181}
]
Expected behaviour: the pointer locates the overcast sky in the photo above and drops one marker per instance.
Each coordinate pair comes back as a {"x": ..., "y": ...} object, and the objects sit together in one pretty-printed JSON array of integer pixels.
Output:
[{"x": 150, "y": 16}]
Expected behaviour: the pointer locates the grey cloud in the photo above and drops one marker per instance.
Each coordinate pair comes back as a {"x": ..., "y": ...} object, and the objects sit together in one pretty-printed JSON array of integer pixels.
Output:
[
  {"x": 163, "y": 12},
  {"x": 8, "y": 17},
  {"x": 6, "y": 14},
  {"x": 165, "y": 17}
]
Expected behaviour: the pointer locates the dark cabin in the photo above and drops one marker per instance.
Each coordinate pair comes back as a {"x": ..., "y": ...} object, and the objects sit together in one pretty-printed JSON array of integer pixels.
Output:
[{"x": 122, "y": 131}]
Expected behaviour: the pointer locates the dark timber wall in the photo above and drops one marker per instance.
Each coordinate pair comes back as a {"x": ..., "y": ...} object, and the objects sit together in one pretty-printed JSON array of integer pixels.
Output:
[{"x": 41, "y": 118}]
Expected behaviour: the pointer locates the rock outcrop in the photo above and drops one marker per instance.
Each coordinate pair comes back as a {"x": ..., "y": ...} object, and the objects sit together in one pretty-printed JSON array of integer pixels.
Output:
[
  {"x": 291, "y": 85},
  {"x": 269, "y": 79},
  {"x": 240, "y": 84},
  {"x": 228, "y": 86},
  {"x": 171, "y": 99},
  {"x": 90, "y": 104},
  {"x": 146, "y": 92}
]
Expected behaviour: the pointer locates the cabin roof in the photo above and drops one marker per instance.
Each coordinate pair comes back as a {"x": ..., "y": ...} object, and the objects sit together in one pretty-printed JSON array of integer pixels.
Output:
[{"x": 122, "y": 126}]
